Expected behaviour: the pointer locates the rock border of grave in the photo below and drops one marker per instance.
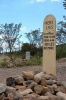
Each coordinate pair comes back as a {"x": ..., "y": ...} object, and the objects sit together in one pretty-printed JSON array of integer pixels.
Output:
[{"x": 32, "y": 86}]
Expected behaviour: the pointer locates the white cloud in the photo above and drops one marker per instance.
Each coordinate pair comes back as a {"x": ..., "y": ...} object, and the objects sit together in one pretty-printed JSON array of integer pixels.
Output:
[
  {"x": 36, "y": 1},
  {"x": 55, "y": 0},
  {"x": 40, "y": 0}
]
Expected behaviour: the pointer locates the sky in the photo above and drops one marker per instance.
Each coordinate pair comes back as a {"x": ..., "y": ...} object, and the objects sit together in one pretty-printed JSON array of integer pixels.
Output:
[{"x": 30, "y": 13}]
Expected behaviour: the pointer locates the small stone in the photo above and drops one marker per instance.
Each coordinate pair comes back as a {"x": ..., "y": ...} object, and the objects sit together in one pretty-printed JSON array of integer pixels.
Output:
[
  {"x": 62, "y": 95},
  {"x": 2, "y": 96},
  {"x": 51, "y": 89},
  {"x": 32, "y": 85},
  {"x": 50, "y": 82},
  {"x": 29, "y": 75},
  {"x": 29, "y": 97},
  {"x": 46, "y": 89},
  {"x": 10, "y": 81},
  {"x": 43, "y": 82},
  {"x": 57, "y": 98},
  {"x": 20, "y": 87},
  {"x": 35, "y": 94},
  {"x": 11, "y": 96},
  {"x": 48, "y": 76},
  {"x": 25, "y": 92},
  {"x": 62, "y": 89},
  {"x": 58, "y": 83},
  {"x": 36, "y": 72},
  {"x": 2, "y": 87},
  {"x": 6, "y": 98},
  {"x": 39, "y": 89},
  {"x": 38, "y": 77},
  {"x": 43, "y": 98},
  {"x": 27, "y": 83},
  {"x": 10, "y": 90},
  {"x": 51, "y": 96},
  {"x": 55, "y": 88},
  {"x": 64, "y": 83},
  {"x": 17, "y": 97},
  {"x": 54, "y": 81},
  {"x": 19, "y": 80}
]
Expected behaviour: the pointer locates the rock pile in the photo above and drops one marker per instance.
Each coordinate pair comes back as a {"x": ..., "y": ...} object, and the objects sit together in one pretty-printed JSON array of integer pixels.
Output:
[{"x": 32, "y": 86}]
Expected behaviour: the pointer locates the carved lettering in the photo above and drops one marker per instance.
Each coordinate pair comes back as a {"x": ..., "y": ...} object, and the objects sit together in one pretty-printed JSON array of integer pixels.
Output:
[{"x": 49, "y": 22}]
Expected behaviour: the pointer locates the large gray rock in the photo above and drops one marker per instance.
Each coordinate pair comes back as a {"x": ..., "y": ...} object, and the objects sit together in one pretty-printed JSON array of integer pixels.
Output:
[{"x": 2, "y": 87}]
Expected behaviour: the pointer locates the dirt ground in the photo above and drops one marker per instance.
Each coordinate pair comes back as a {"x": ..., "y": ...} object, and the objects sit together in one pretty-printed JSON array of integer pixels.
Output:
[{"x": 9, "y": 72}]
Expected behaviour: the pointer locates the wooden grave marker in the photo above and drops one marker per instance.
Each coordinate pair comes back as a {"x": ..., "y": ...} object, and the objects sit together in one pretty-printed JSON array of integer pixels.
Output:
[{"x": 49, "y": 45}]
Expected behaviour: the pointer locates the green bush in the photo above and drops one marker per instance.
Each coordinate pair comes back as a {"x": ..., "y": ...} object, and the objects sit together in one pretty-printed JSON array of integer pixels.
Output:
[
  {"x": 61, "y": 51},
  {"x": 3, "y": 63},
  {"x": 34, "y": 61}
]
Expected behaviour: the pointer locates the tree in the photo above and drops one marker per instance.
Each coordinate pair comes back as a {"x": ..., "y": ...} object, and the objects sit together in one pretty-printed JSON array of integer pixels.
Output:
[
  {"x": 1, "y": 42},
  {"x": 10, "y": 34},
  {"x": 35, "y": 37},
  {"x": 61, "y": 37},
  {"x": 61, "y": 33},
  {"x": 64, "y": 4}
]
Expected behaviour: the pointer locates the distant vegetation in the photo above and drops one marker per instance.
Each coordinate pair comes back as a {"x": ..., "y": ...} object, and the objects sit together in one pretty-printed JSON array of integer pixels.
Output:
[
  {"x": 17, "y": 59},
  {"x": 61, "y": 51}
]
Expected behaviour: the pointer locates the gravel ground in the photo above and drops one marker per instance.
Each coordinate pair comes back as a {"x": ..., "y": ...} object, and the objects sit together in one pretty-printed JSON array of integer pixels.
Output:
[{"x": 9, "y": 72}]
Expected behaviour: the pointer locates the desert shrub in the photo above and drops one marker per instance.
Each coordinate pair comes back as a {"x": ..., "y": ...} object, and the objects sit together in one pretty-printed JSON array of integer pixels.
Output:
[
  {"x": 61, "y": 51},
  {"x": 3, "y": 63},
  {"x": 34, "y": 61}
]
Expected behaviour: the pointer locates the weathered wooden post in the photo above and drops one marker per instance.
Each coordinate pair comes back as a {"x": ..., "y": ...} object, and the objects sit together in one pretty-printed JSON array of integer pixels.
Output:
[{"x": 49, "y": 45}]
